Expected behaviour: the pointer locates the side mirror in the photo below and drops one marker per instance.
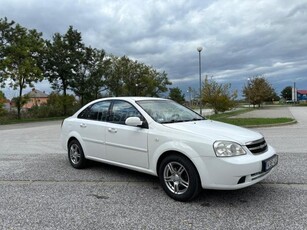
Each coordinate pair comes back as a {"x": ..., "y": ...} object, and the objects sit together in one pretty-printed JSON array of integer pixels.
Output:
[{"x": 134, "y": 121}]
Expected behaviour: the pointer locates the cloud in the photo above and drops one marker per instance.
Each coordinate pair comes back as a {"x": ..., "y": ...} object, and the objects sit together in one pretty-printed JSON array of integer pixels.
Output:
[{"x": 240, "y": 38}]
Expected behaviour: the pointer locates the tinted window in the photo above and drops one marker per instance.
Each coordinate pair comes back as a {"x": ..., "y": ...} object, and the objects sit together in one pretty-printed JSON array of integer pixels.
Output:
[
  {"x": 121, "y": 110},
  {"x": 98, "y": 111}
]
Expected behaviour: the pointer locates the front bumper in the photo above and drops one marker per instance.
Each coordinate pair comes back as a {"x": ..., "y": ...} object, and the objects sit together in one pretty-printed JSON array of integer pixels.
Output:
[{"x": 229, "y": 173}]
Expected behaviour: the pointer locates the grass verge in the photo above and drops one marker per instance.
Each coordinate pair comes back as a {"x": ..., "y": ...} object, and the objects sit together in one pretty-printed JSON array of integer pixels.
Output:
[{"x": 249, "y": 122}]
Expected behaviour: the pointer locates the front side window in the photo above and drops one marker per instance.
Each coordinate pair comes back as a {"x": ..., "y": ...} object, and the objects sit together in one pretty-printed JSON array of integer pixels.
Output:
[
  {"x": 167, "y": 111},
  {"x": 98, "y": 111},
  {"x": 121, "y": 110}
]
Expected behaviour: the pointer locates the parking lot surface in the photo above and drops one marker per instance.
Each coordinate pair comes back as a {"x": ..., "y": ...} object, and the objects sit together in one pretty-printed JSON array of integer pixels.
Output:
[{"x": 40, "y": 190}]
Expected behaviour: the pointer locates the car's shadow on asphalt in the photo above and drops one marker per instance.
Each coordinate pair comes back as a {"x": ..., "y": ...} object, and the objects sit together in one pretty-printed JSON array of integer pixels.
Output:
[
  {"x": 261, "y": 192},
  {"x": 258, "y": 194},
  {"x": 115, "y": 173}
]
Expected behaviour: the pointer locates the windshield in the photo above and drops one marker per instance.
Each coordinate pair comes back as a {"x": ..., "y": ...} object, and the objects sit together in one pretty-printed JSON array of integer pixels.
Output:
[{"x": 167, "y": 111}]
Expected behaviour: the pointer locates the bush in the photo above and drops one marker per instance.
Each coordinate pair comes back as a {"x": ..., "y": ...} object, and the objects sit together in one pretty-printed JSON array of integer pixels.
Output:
[
  {"x": 54, "y": 108},
  {"x": 3, "y": 112},
  {"x": 45, "y": 111}
]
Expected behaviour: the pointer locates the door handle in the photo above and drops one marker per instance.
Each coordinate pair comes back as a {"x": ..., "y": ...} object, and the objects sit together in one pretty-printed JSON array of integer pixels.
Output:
[
  {"x": 83, "y": 125},
  {"x": 112, "y": 130}
]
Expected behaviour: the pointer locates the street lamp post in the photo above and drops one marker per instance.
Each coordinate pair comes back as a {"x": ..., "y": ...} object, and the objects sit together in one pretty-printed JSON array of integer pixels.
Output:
[
  {"x": 199, "y": 49},
  {"x": 189, "y": 91}
]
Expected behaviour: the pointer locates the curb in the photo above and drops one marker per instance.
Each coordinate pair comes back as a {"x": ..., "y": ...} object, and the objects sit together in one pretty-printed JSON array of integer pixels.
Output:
[{"x": 271, "y": 125}]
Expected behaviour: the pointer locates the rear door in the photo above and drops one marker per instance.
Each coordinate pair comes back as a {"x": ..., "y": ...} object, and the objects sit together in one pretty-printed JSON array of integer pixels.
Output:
[{"x": 91, "y": 125}]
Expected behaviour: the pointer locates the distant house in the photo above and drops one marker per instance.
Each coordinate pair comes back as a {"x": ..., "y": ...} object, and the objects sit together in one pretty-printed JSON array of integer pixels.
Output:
[
  {"x": 7, "y": 105},
  {"x": 36, "y": 98},
  {"x": 301, "y": 95}
]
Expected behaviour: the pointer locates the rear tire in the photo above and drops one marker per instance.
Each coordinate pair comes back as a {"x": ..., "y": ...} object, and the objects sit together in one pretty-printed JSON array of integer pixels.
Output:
[
  {"x": 179, "y": 178},
  {"x": 76, "y": 155}
]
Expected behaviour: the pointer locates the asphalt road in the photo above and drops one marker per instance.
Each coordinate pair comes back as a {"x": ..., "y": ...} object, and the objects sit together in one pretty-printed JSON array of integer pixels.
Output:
[{"x": 40, "y": 190}]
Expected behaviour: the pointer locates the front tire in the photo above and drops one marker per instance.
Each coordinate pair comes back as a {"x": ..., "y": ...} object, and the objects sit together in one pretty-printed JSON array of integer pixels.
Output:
[
  {"x": 179, "y": 178},
  {"x": 76, "y": 155}
]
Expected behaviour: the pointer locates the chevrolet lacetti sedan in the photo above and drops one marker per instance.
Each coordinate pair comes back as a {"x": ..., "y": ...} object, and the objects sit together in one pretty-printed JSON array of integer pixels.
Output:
[{"x": 162, "y": 138}]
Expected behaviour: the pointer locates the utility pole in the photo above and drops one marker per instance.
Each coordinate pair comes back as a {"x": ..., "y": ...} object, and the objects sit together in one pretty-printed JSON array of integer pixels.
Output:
[
  {"x": 199, "y": 49},
  {"x": 294, "y": 93}
]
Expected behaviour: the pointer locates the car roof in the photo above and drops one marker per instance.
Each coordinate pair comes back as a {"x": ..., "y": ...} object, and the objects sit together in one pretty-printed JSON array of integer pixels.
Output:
[{"x": 133, "y": 99}]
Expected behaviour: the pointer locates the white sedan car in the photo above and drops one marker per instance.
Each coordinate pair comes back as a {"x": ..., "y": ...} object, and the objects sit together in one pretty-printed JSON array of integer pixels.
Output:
[{"x": 162, "y": 138}]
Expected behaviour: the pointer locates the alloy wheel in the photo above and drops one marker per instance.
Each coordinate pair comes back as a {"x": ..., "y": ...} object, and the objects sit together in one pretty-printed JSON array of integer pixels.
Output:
[{"x": 176, "y": 178}]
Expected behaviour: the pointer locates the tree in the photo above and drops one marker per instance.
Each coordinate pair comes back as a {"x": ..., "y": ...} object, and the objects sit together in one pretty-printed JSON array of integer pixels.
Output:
[
  {"x": 218, "y": 96},
  {"x": 131, "y": 78},
  {"x": 90, "y": 81},
  {"x": 2, "y": 101},
  {"x": 274, "y": 97},
  {"x": 115, "y": 77},
  {"x": 98, "y": 70},
  {"x": 6, "y": 29},
  {"x": 20, "y": 61},
  {"x": 157, "y": 83},
  {"x": 176, "y": 95},
  {"x": 2, "y": 98},
  {"x": 286, "y": 93},
  {"x": 258, "y": 91},
  {"x": 21, "y": 101},
  {"x": 55, "y": 104},
  {"x": 63, "y": 60}
]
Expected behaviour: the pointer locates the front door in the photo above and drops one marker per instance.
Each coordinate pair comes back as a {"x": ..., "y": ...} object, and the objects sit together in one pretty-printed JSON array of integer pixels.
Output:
[{"x": 126, "y": 144}]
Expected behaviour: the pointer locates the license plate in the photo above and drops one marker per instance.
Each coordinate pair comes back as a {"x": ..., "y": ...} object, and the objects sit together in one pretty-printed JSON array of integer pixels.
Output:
[{"x": 269, "y": 163}]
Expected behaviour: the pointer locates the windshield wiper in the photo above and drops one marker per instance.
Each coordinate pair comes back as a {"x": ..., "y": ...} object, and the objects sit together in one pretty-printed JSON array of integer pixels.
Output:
[
  {"x": 175, "y": 121},
  {"x": 172, "y": 121},
  {"x": 197, "y": 119}
]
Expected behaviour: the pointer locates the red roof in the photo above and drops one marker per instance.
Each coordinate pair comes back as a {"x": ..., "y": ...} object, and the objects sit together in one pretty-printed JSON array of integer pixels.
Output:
[{"x": 302, "y": 91}]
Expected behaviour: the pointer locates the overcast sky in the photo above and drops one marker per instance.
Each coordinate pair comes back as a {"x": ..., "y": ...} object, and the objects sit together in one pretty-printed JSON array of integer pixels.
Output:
[{"x": 240, "y": 39}]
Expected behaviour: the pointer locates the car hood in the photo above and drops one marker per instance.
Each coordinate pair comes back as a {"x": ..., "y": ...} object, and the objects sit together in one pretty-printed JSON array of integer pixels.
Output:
[{"x": 216, "y": 131}]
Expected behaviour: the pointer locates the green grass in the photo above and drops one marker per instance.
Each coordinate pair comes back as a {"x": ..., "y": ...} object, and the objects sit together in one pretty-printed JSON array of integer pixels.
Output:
[
  {"x": 255, "y": 121},
  {"x": 229, "y": 114},
  {"x": 248, "y": 122}
]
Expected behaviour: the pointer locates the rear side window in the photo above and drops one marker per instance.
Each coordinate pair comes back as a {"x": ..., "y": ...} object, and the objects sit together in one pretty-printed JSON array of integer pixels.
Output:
[{"x": 97, "y": 112}]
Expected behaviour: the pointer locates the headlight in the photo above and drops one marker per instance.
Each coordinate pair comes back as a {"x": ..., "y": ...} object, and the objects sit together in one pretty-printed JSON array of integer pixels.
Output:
[{"x": 227, "y": 149}]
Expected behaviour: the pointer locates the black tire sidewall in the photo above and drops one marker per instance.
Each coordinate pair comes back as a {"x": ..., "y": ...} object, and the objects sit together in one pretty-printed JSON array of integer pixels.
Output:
[
  {"x": 194, "y": 181},
  {"x": 82, "y": 161}
]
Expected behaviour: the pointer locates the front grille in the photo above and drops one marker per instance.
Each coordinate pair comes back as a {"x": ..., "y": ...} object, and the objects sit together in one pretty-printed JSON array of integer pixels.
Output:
[{"x": 257, "y": 147}]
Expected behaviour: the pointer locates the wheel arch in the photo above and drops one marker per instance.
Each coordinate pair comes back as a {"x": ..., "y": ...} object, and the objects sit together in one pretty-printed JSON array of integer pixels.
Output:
[
  {"x": 71, "y": 139},
  {"x": 176, "y": 153},
  {"x": 75, "y": 136}
]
